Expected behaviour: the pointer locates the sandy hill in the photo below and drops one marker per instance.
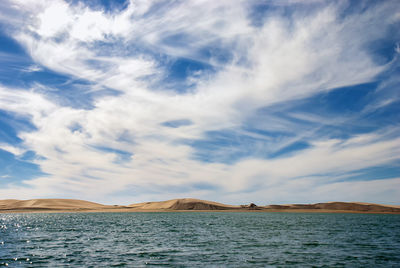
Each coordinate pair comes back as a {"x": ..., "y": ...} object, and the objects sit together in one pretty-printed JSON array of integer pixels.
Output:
[
  {"x": 345, "y": 206},
  {"x": 183, "y": 204},
  {"x": 49, "y": 204},
  {"x": 38, "y": 205}
]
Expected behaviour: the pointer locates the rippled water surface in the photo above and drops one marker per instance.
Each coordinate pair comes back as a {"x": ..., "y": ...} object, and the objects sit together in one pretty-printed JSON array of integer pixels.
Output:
[{"x": 199, "y": 239}]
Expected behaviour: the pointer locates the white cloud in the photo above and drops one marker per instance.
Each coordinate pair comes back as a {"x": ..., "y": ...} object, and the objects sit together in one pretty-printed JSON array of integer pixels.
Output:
[
  {"x": 33, "y": 68},
  {"x": 27, "y": 103},
  {"x": 12, "y": 149},
  {"x": 53, "y": 19}
]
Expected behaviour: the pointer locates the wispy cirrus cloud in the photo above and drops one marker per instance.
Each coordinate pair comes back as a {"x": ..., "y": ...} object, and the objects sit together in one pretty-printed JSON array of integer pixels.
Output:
[{"x": 250, "y": 126}]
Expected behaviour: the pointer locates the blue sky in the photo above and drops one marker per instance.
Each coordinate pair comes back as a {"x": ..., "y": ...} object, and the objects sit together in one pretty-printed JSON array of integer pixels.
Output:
[{"x": 233, "y": 101}]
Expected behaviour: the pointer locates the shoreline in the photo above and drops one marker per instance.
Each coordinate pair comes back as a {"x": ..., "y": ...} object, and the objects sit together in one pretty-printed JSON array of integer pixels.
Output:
[
  {"x": 324, "y": 211},
  {"x": 187, "y": 205}
]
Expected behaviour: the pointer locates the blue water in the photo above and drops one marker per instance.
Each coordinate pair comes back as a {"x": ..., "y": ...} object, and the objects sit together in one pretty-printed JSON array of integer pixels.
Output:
[{"x": 199, "y": 239}]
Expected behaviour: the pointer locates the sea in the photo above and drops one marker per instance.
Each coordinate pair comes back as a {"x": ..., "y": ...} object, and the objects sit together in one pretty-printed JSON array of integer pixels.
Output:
[{"x": 199, "y": 239}]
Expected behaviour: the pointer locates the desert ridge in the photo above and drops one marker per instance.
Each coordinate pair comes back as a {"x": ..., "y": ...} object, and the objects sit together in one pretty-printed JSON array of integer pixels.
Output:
[
  {"x": 49, "y": 204},
  {"x": 338, "y": 206},
  {"x": 74, "y": 205},
  {"x": 186, "y": 204}
]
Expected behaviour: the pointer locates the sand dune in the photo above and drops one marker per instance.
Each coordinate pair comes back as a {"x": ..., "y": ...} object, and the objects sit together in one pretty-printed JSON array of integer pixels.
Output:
[
  {"x": 338, "y": 206},
  {"x": 183, "y": 204},
  {"x": 49, "y": 204},
  {"x": 186, "y": 204}
]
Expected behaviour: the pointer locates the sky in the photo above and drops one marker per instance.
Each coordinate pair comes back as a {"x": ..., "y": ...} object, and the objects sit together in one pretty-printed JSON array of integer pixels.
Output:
[{"x": 233, "y": 101}]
